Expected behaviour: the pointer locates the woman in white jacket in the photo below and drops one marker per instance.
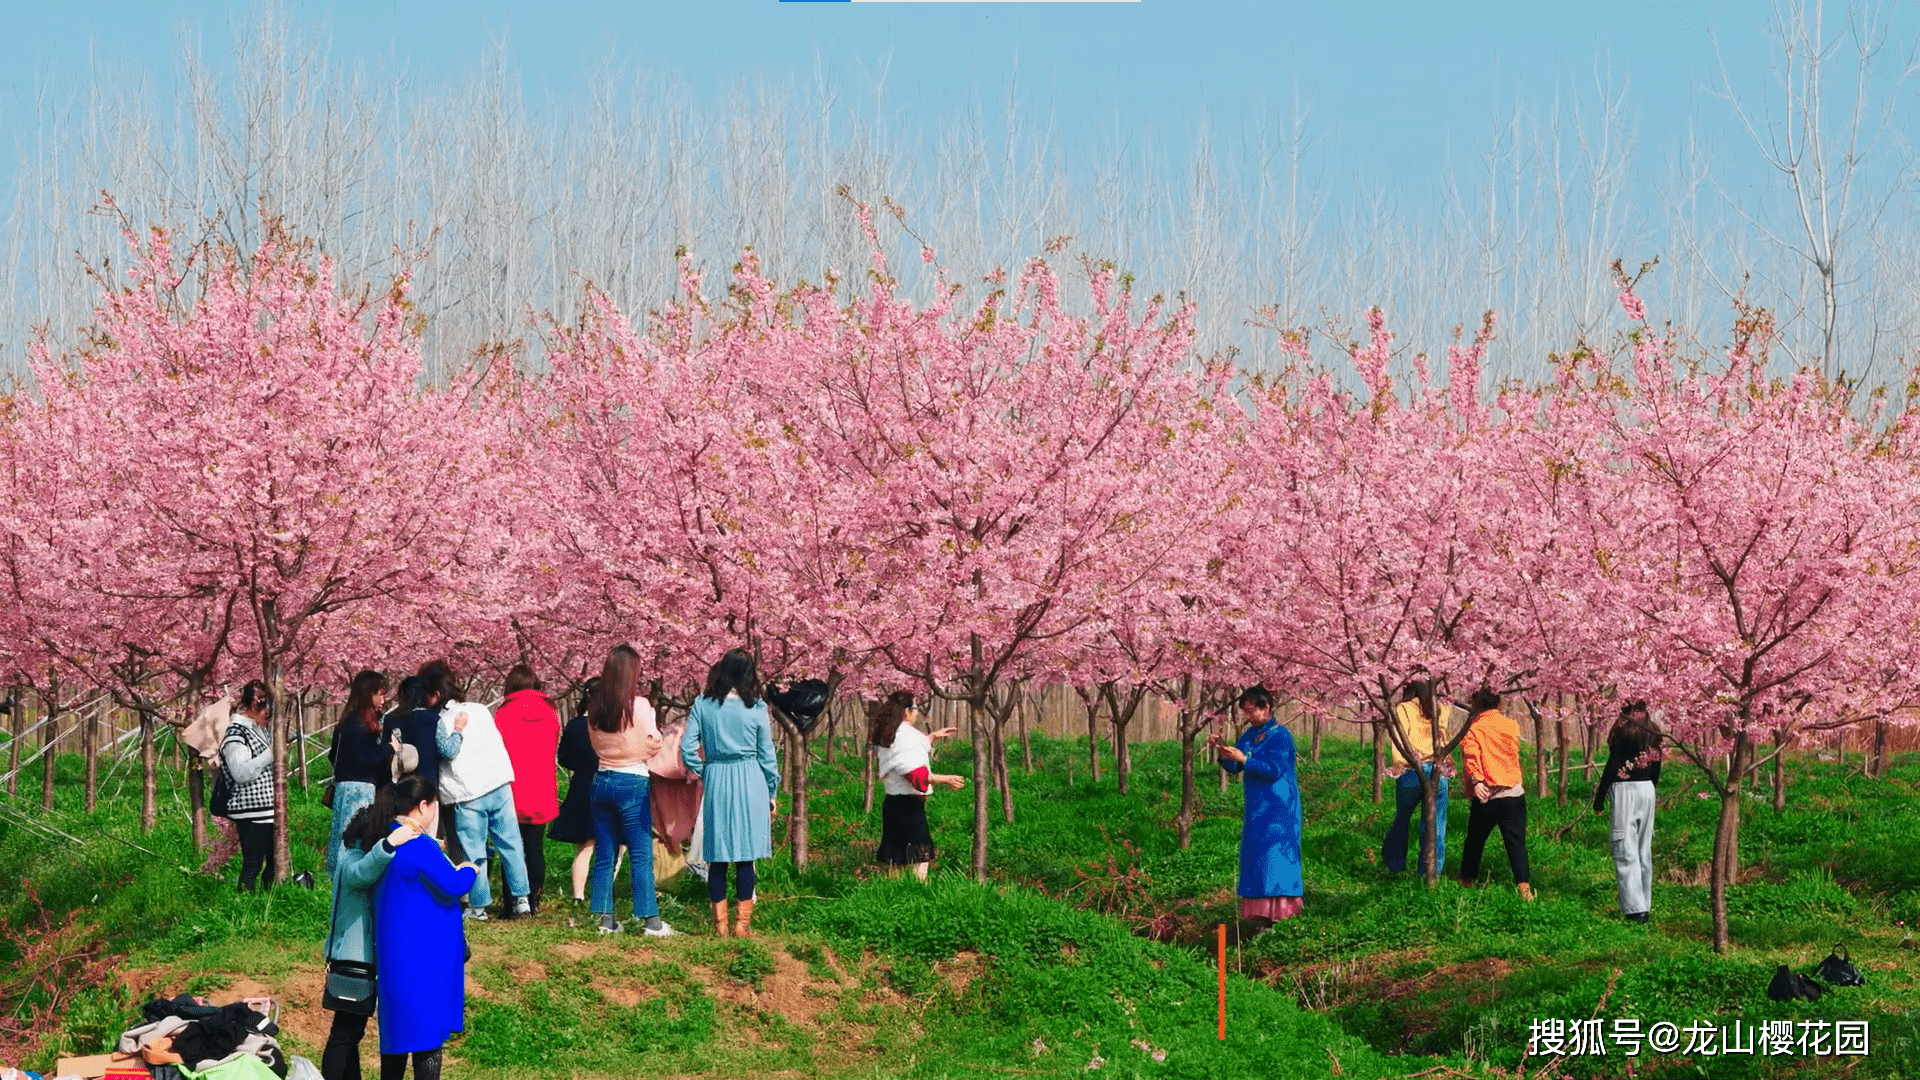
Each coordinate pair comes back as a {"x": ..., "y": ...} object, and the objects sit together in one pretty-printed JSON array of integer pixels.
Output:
[{"x": 906, "y": 760}]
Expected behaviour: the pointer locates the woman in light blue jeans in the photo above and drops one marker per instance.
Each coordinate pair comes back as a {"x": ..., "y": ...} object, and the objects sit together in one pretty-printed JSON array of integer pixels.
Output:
[{"x": 359, "y": 758}]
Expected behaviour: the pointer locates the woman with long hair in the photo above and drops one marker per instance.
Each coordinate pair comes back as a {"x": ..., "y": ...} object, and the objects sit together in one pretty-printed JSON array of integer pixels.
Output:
[
  {"x": 728, "y": 745},
  {"x": 621, "y": 726},
  {"x": 1422, "y": 719},
  {"x": 574, "y": 825},
  {"x": 246, "y": 755},
  {"x": 1635, "y": 749},
  {"x": 367, "y": 847},
  {"x": 360, "y": 760},
  {"x": 420, "y": 945},
  {"x": 906, "y": 761}
]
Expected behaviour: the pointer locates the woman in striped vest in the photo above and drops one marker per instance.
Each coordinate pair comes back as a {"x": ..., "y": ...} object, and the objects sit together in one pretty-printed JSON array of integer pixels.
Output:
[{"x": 247, "y": 756}]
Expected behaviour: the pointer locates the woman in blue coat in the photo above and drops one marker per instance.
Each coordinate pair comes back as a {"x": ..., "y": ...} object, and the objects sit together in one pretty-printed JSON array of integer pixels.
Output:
[
  {"x": 728, "y": 746},
  {"x": 419, "y": 938},
  {"x": 1270, "y": 881},
  {"x": 367, "y": 847}
]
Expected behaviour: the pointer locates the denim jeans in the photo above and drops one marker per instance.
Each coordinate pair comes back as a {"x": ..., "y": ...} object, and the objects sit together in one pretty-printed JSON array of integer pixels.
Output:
[
  {"x": 492, "y": 815},
  {"x": 623, "y": 815},
  {"x": 1406, "y": 802}
]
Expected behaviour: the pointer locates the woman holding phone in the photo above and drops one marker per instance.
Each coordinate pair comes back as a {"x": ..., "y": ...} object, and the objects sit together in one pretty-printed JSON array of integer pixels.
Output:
[{"x": 1271, "y": 886}]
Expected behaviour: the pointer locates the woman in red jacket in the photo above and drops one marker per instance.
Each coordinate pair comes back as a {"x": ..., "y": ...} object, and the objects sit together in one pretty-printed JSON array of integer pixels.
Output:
[{"x": 531, "y": 729}]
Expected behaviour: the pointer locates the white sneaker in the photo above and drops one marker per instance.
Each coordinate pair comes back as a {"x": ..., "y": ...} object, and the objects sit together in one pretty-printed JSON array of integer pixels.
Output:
[
  {"x": 477, "y": 914},
  {"x": 666, "y": 930}
]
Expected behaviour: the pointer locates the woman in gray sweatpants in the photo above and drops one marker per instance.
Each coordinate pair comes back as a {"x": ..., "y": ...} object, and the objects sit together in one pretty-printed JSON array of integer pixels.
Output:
[{"x": 1634, "y": 750}]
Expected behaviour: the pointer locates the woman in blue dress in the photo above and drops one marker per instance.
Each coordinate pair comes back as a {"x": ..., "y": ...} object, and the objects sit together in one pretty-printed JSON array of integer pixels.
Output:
[
  {"x": 1270, "y": 881},
  {"x": 419, "y": 937},
  {"x": 728, "y": 746}
]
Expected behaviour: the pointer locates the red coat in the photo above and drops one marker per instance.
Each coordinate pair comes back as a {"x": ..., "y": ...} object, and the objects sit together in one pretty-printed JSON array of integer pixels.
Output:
[{"x": 531, "y": 730}]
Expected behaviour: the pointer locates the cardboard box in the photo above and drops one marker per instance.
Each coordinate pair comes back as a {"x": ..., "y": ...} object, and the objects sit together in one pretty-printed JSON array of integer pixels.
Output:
[{"x": 102, "y": 1066}]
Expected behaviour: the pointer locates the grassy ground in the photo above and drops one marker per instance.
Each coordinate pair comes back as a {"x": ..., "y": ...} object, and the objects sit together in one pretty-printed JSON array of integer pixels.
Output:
[{"x": 1048, "y": 971}]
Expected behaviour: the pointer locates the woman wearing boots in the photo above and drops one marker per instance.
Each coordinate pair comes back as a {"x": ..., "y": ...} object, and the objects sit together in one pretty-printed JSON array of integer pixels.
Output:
[{"x": 728, "y": 745}]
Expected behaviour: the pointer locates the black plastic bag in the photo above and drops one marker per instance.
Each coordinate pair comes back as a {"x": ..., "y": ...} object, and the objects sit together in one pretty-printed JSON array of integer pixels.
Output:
[
  {"x": 1790, "y": 985},
  {"x": 1838, "y": 968},
  {"x": 802, "y": 703}
]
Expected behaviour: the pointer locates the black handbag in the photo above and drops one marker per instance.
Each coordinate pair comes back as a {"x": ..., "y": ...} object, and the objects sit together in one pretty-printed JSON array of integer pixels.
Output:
[
  {"x": 1838, "y": 968},
  {"x": 326, "y": 793},
  {"x": 222, "y": 793},
  {"x": 351, "y": 988},
  {"x": 1790, "y": 985}
]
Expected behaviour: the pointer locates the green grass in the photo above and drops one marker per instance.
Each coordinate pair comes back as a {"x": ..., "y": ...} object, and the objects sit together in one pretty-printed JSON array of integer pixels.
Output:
[{"x": 1041, "y": 972}]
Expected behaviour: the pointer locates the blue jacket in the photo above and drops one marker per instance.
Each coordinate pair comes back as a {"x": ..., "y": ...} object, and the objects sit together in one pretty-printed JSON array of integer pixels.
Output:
[{"x": 422, "y": 948}]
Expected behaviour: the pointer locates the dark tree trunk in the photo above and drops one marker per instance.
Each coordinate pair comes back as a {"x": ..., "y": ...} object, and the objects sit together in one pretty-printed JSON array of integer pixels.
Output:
[
  {"x": 18, "y": 725},
  {"x": 1091, "y": 699},
  {"x": 197, "y": 802},
  {"x": 1539, "y": 750},
  {"x": 797, "y": 833},
  {"x": 1879, "y": 748},
  {"x": 90, "y": 751},
  {"x": 49, "y": 750},
  {"x": 1560, "y": 739},
  {"x": 1026, "y": 736},
  {"x": 1591, "y": 737},
  {"x": 1379, "y": 762},
  {"x": 867, "y": 767},
  {"x": 300, "y": 737},
  {"x": 1779, "y": 774},
  {"x": 1001, "y": 778},
  {"x": 1726, "y": 843},
  {"x": 976, "y": 722},
  {"x": 1313, "y": 753}
]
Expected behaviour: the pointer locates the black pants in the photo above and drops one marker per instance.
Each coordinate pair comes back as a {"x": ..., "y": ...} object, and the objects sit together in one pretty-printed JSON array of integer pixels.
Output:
[
  {"x": 256, "y": 852},
  {"x": 426, "y": 1065},
  {"x": 533, "y": 841},
  {"x": 717, "y": 881},
  {"x": 341, "y": 1058},
  {"x": 1509, "y": 815}
]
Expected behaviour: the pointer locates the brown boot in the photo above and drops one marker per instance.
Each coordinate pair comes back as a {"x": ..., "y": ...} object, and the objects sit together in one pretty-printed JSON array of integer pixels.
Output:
[
  {"x": 743, "y": 926},
  {"x": 720, "y": 920},
  {"x": 1526, "y": 892}
]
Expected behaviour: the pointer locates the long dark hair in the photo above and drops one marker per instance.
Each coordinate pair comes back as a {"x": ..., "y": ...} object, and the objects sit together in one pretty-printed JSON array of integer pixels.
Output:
[
  {"x": 1421, "y": 691},
  {"x": 370, "y": 825},
  {"x": 1635, "y": 728},
  {"x": 736, "y": 673},
  {"x": 884, "y": 719},
  {"x": 611, "y": 709},
  {"x": 360, "y": 701},
  {"x": 255, "y": 695}
]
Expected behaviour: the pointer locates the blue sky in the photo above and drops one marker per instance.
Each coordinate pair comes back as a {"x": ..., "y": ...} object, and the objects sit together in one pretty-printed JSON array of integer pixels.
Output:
[{"x": 1393, "y": 83}]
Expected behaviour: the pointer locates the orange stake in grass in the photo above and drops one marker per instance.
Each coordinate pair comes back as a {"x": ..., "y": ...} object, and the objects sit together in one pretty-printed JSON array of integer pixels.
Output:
[{"x": 1223, "y": 982}]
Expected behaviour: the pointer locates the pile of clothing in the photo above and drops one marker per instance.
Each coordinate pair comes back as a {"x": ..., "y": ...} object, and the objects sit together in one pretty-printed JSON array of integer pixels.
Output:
[{"x": 188, "y": 1038}]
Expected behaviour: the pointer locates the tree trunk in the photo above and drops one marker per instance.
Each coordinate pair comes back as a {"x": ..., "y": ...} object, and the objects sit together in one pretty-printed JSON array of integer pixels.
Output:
[
  {"x": 1026, "y": 738},
  {"x": 147, "y": 771},
  {"x": 1560, "y": 741},
  {"x": 976, "y": 716},
  {"x": 1379, "y": 762},
  {"x": 797, "y": 838},
  {"x": 90, "y": 751},
  {"x": 18, "y": 717},
  {"x": 1187, "y": 723},
  {"x": 267, "y": 617},
  {"x": 1313, "y": 753},
  {"x": 1093, "y": 735},
  {"x": 1001, "y": 779},
  {"x": 833, "y": 719},
  {"x": 1590, "y": 736},
  {"x": 1223, "y": 773},
  {"x": 1879, "y": 748},
  {"x": 1539, "y": 750},
  {"x": 868, "y": 765},
  {"x": 1726, "y": 844},
  {"x": 197, "y": 802},
  {"x": 300, "y": 737},
  {"x": 1429, "y": 825},
  {"x": 49, "y": 750},
  {"x": 1779, "y": 774}
]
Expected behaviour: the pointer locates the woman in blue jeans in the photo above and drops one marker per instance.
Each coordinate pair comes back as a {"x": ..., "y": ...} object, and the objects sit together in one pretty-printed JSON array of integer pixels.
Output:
[
  {"x": 359, "y": 759},
  {"x": 624, "y": 734}
]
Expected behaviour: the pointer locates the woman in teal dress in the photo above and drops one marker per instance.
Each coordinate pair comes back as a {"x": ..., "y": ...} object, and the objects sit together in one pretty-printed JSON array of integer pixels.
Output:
[
  {"x": 1271, "y": 886},
  {"x": 728, "y": 746}
]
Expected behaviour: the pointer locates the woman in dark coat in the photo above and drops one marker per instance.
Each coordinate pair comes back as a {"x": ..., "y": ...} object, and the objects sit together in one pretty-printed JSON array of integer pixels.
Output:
[
  {"x": 420, "y": 940},
  {"x": 574, "y": 825}
]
